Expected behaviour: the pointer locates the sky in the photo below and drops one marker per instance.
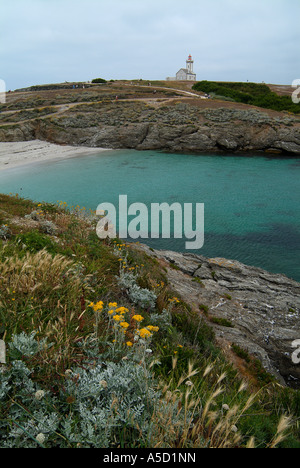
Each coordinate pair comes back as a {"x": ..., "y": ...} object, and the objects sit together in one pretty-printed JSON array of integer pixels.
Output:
[{"x": 52, "y": 41}]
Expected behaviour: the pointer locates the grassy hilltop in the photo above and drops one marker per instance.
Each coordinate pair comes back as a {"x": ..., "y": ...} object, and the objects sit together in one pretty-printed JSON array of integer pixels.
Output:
[
  {"x": 101, "y": 352},
  {"x": 164, "y": 116},
  {"x": 259, "y": 95},
  {"x": 271, "y": 96}
]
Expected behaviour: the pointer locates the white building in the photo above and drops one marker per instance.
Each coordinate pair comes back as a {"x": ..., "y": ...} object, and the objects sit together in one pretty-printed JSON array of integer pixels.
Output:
[{"x": 185, "y": 74}]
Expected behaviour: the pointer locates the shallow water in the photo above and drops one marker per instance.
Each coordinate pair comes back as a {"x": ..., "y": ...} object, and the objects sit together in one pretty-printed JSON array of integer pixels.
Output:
[{"x": 252, "y": 210}]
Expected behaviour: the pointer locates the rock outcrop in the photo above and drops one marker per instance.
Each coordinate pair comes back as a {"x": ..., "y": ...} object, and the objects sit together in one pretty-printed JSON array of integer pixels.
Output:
[
  {"x": 179, "y": 127},
  {"x": 262, "y": 309}
]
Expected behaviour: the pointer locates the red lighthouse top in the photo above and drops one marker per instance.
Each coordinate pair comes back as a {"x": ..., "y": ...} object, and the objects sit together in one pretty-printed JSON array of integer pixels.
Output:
[{"x": 190, "y": 58}]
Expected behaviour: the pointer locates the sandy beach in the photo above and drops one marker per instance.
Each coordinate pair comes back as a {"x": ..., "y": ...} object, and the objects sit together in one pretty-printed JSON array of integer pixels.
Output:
[{"x": 17, "y": 154}]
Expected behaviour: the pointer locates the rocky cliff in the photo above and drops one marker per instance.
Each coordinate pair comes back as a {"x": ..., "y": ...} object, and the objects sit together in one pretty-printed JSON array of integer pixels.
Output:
[
  {"x": 184, "y": 126},
  {"x": 247, "y": 306}
]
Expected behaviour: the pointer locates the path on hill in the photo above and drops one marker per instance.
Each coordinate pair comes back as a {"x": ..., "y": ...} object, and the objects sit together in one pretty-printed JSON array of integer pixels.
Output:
[
  {"x": 61, "y": 108},
  {"x": 188, "y": 93}
]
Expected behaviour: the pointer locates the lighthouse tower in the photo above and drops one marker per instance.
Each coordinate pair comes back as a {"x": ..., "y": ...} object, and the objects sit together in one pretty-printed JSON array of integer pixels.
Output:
[
  {"x": 190, "y": 64},
  {"x": 185, "y": 74}
]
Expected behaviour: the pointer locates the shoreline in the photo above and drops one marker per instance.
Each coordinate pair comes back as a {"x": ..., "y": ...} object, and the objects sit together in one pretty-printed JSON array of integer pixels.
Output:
[
  {"x": 22, "y": 153},
  {"x": 18, "y": 154}
]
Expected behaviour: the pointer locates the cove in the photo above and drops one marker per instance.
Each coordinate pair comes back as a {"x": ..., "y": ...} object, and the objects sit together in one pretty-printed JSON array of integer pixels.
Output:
[{"x": 252, "y": 210}]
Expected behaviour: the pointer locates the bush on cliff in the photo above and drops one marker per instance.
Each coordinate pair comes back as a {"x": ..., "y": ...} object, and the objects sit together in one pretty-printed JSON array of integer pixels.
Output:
[
  {"x": 254, "y": 94},
  {"x": 99, "y": 80}
]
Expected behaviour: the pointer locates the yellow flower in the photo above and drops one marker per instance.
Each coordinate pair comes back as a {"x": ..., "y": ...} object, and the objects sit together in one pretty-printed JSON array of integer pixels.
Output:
[
  {"x": 122, "y": 310},
  {"x": 99, "y": 306},
  {"x": 138, "y": 318},
  {"x": 117, "y": 318},
  {"x": 129, "y": 343},
  {"x": 112, "y": 304},
  {"x": 152, "y": 328},
  {"x": 174, "y": 299},
  {"x": 144, "y": 333},
  {"x": 124, "y": 324},
  {"x": 110, "y": 312}
]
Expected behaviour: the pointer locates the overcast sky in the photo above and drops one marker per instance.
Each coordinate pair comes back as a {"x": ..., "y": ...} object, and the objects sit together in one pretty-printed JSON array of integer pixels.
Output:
[{"x": 50, "y": 41}]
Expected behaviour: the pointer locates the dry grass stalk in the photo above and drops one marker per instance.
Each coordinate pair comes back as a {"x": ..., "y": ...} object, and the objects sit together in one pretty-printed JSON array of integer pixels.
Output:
[{"x": 284, "y": 425}]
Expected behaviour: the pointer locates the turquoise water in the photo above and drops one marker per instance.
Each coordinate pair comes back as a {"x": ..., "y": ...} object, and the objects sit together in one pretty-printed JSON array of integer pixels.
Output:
[{"x": 252, "y": 210}]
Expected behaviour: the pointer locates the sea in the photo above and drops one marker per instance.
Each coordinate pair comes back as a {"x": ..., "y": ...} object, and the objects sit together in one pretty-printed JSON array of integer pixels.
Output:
[{"x": 251, "y": 203}]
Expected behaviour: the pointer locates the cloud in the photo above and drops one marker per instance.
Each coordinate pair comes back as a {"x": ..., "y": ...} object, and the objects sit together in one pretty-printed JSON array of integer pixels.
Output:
[{"x": 46, "y": 40}]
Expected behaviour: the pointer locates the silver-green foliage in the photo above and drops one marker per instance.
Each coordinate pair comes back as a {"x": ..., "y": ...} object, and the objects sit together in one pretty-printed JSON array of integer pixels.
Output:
[
  {"x": 4, "y": 232},
  {"x": 98, "y": 402},
  {"x": 139, "y": 296},
  {"x": 108, "y": 398},
  {"x": 27, "y": 345}
]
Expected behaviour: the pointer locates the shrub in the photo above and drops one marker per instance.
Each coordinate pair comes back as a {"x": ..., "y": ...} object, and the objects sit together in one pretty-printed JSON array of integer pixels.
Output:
[
  {"x": 34, "y": 242},
  {"x": 254, "y": 94},
  {"x": 94, "y": 407},
  {"x": 221, "y": 321},
  {"x": 139, "y": 296},
  {"x": 99, "y": 80}
]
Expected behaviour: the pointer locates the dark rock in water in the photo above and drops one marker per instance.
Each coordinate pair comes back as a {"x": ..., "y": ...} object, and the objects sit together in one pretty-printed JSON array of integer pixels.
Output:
[{"x": 263, "y": 308}]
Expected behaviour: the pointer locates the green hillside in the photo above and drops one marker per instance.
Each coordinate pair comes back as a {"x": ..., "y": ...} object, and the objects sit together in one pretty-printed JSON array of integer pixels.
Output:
[
  {"x": 259, "y": 95},
  {"x": 102, "y": 353}
]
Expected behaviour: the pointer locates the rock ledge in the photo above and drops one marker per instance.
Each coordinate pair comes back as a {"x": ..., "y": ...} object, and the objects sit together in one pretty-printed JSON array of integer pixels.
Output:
[{"x": 263, "y": 308}]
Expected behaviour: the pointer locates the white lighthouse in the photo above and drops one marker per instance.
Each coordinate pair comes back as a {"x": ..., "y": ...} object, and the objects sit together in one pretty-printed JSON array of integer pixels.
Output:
[
  {"x": 185, "y": 74},
  {"x": 190, "y": 65}
]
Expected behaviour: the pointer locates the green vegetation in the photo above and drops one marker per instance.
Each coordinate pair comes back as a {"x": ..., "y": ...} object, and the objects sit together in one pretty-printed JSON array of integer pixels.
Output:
[
  {"x": 101, "y": 353},
  {"x": 204, "y": 308},
  {"x": 253, "y": 365},
  {"x": 221, "y": 321},
  {"x": 99, "y": 80},
  {"x": 34, "y": 241},
  {"x": 259, "y": 95},
  {"x": 197, "y": 280}
]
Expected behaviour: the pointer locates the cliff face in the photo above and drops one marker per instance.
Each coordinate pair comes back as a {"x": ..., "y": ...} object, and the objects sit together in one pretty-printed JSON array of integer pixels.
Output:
[
  {"x": 178, "y": 127},
  {"x": 260, "y": 310}
]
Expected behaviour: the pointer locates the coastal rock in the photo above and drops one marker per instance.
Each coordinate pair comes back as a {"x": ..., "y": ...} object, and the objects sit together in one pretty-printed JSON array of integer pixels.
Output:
[
  {"x": 263, "y": 308},
  {"x": 179, "y": 128}
]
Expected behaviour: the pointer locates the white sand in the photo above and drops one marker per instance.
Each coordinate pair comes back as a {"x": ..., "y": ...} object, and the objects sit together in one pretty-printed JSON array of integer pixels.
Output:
[{"x": 17, "y": 154}]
